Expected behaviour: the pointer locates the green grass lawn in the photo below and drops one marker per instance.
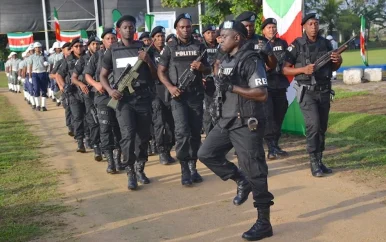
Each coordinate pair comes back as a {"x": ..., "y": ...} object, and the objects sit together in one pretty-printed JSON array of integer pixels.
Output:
[
  {"x": 26, "y": 184},
  {"x": 353, "y": 57},
  {"x": 3, "y": 79},
  {"x": 341, "y": 93}
]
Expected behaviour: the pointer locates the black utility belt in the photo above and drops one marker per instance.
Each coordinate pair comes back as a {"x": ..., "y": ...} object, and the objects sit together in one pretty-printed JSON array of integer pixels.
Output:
[{"x": 314, "y": 88}]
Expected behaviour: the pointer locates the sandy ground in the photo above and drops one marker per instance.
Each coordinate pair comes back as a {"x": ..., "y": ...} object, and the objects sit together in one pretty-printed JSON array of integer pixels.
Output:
[{"x": 333, "y": 208}]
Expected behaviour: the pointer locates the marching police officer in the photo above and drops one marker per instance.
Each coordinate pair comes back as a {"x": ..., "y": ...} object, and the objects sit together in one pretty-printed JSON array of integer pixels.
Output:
[
  {"x": 75, "y": 101},
  {"x": 209, "y": 33},
  {"x": 277, "y": 103},
  {"x": 187, "y": 107},
  {"x": 87, "y": 96},
  {"x": 258, "y": 43},
  {"x": 110, "y": 134},
  {"x": 38, "y": 73},
  {"x": 242, "y": 80},
  {"x": 313, "y": 87},
  {"x": 162, "y": 114},
  {"x": 145, "y": 38},
  {"x": 7, "y": 73},
  {"x": 14, "y": 70},
  {"x": 134, "y": 110}
]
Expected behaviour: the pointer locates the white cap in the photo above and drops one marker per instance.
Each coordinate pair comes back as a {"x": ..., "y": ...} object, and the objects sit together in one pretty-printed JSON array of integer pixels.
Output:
[
  {"x": 12, "y": 53},
  {"x": 24, "y": 54},
  {"x": 37, "y": 45},
  {"x": 56, "y": 45},
  {"x": 62, "y": 43},
  {"x": 329, "y": 37},
  {"x": 51, "y": 50}
]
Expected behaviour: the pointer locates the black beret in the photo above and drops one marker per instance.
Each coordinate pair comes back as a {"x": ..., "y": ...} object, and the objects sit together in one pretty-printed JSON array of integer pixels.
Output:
[
  {"x": 268, "y": 21},
  {"x": 156, "y": 30},
  {"x": 208, "y": 27},
  {"x": 91, "y": 39},
  {"x": 108, "y": 31},
  {"x": 67, "y": 44},
  {"x": 310, "y": 16},
  {"x": 77, "y": 40},
  {"x": 170, "y": 36},
  {"x": 126, "y": 18},
  {"x": 246, "y": 16},
  {"x": 144, "y": 35},
  {"x": 236, "y": 26},
  {"x": 182, "y": 16}
]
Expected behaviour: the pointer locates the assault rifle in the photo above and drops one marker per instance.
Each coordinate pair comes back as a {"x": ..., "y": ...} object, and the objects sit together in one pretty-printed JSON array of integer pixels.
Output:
[
  {"x": 326, "y": 58},
  {"x": 126, "y": 79},
  {"x": 189, "y": 75}
]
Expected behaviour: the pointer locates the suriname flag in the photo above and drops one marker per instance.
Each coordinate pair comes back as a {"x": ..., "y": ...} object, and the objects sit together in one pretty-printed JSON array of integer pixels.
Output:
[{"x": 20, "y": 41}]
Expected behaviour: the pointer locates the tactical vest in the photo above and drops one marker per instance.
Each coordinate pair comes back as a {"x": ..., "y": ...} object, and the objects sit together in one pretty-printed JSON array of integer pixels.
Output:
[
  {"x": 71, "y": 62},
  {"x": 124, "y": 55},
  {"x": 181, "y": 58},
  {"x": 99, "y": 57},
  {"x": 235, "y": 105},
  {"x": 305, "y": 57},
  {"x": 85, "y": 60},
  {"x": 212, "y": 53},
  {"x": 276, "y": 79}
]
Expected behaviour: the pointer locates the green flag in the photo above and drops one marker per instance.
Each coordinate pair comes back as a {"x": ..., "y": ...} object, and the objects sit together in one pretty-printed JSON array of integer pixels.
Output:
[{"x": 149, "y": 20}]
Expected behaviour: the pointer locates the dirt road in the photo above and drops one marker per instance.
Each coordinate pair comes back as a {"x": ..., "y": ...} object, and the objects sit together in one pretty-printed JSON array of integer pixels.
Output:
[{"x": 306, "y": 208}]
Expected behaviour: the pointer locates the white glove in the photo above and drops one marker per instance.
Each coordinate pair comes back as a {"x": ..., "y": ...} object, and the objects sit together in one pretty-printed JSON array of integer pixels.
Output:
[
  {"x": 45, "y": 63},
  {"x": 7, "y": 74},
  {"x": 23, "y": 80},
  {"x": 30, "y": 80},
  {"x": 19, "y": 78}
]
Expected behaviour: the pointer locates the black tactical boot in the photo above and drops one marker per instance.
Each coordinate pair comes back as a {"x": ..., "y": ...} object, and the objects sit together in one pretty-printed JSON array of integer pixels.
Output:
[
  {"x": 196, "y": 178},
  {"x": 186, "y": 177},
  {"x": 243, "y": 188},
  {"x": 272, "y": 155},
  {"x": 132, "y": 183},
  {"x": 262, "y": 228},
  {"x": 315, "y": 169},
  {"x": 279, "y": 151},
  {"x": 87, "y": 142},
  {"x": 58, "y": 104},
  {"x": 37, "y": 108},
  {"x": 163, "y": 158},
  {"x": 139, "y": 170},
  {"x": 110, "y": 162},
  {"x": 325, "y": 169},
  {"x": 81, "y": 147},
  {"x": 117, "y": 159},
  {"x": 97, "y": 153},
  {"x": 71, "y": 132},
  {"x": 170, "y": 158},
  {"x": 44, "y": 109}
]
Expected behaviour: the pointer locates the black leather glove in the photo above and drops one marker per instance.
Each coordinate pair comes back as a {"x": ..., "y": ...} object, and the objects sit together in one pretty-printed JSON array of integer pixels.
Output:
[
  {"x": 223, "y": 84},
  {"x": 264, "y": 48}
]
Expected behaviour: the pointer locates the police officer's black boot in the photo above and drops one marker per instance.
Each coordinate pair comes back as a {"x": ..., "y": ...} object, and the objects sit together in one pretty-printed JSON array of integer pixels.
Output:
[
  {"x": 196, "y": 178},
  {"x": 87, "y": 142},
  {"x": 139, "y": 171},
  {"x": 117, "y": 159},
  {"x": 271, "y": 149},
  {"x": 262, "y": 228},
  {"x": 81, "y": 147},
  {"x": 243, "y": 188},
  {"x": 70, "y": 132},
  {"x": 186, "y": 177},
  {"x": 110, "y": 162},
  {"x": 315, "y": 169},
  {"x": 97, "y": 153},
  {"x": 325, "y": 169},
  {"x": 279, "y": 151},
  {"x": 132, "y": 183},
  {"x": 163, "y": 157},
  {"x": 170, "y": 158}
]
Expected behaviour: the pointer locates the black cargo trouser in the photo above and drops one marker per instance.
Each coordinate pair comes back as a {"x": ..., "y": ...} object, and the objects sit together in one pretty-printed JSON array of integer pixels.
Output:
[
  {"x": 187, "y": 114},
  {"x": 67, "y": 112},
  {"x": 249, "y": 147},
  {"x": 315, "y": 107},
  {"x": 92, "y": 122},
  {"x": 134, "y": 117},
  {"x": 276, "y": 108},
  {"x": 110, "y": 134},
  {"x": 207, "y": 118},
  {"x": 163, "y": 124},
  {"x": 78, "y": 110}
]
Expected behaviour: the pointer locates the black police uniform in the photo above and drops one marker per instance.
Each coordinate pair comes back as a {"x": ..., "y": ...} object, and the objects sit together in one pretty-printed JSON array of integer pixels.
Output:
[
  {"x": 75, "y": 100},
  {"x": 313, "y": 94},
  {"x": 110, "y": 134},
  {"x": 134, "y": 110},
  {"x": 163, "y": 119},
  {"x": 90, "y": 111},
  {"x": 209, "y": 89},
  {"x": 65, "y": 101},
  {"x": 277, "y": 104},
  {"x": 187, "y": 109}
]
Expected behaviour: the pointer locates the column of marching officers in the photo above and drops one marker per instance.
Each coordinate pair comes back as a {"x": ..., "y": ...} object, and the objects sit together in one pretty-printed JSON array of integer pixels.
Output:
[{"x": 237, "y": 97}]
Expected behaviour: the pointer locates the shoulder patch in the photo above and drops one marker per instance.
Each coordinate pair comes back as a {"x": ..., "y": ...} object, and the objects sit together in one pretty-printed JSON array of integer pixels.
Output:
[{"x": 290, "y": 48}]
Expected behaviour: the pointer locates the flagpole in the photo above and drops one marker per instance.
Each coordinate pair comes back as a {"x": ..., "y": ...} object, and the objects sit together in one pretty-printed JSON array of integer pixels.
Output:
[
  {"x": 45, "y": 24},
  {"x": 96, "y": 14},
  {"x": 148, "y": 6},
  {"x": 199, "y": 16}
]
